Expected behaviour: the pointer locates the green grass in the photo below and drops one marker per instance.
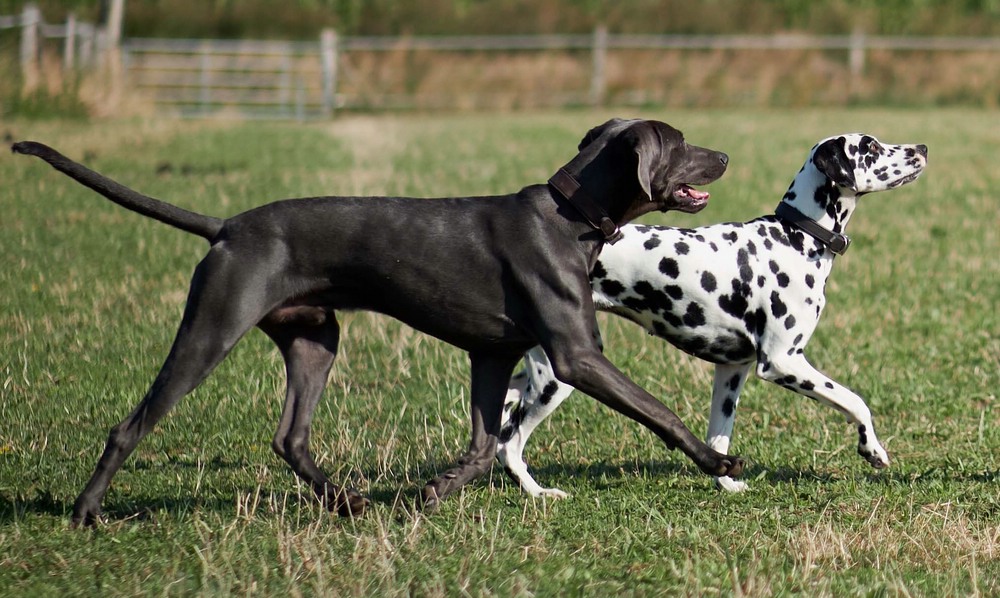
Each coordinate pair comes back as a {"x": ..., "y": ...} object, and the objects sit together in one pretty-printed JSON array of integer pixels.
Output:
[{"x": 91, "y": 295}]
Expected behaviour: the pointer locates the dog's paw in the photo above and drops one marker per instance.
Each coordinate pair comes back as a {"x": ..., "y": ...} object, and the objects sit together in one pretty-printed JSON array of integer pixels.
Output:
[
  {"x": 728, "y": 484},
  {"x": 876, "y": 457},
  {"x": 531, "y": 487},
  {"x": 428, "y": 500},
  {"x": 730, "y": 466},
  {"x": 717, "y": 464},
  {"x": 352, "y": 504},
  {"x": 347, "y": 502},
  {"x": 86, "y": 513},
  {"x": 553, "y": 493}
]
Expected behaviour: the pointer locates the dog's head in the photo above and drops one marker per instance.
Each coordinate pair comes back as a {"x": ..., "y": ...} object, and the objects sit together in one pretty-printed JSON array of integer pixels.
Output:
[
  {"x": 666, "y": 167},
  {"x": 863, "y": 164}
]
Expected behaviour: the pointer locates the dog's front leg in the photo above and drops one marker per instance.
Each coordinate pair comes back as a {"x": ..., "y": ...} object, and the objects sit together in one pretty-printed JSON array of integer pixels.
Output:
[
  {"x": 490, "y": 374},
  {"x": 729, "y": 380},
  {"x": 580, "y": 364},
  {"x": 795, "y": 373}
]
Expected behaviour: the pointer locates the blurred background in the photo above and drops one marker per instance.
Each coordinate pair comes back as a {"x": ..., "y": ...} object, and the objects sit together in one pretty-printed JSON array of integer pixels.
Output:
[{"x": 307, "y": 59}]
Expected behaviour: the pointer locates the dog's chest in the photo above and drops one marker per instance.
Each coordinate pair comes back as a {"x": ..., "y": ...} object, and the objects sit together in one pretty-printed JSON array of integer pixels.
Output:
[{"x": 714, "y": 291}]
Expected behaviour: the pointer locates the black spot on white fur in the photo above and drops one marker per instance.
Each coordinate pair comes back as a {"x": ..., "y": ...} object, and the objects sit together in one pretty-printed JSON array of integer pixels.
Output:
[
  {"x": 669, "y": 267},
  {"x": 728, "y": 407},
  {"x": 694, "y": 316},
  {"x": 612, "y": 288},
  {"x": 708, "y": 281},
  {"x": 548, "y": 392}
]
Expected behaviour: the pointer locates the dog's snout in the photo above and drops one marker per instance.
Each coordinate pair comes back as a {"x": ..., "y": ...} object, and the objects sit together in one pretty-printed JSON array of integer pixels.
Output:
[
  {"x": 725, "y": 158},
  {"x": 922, "y": 150}
]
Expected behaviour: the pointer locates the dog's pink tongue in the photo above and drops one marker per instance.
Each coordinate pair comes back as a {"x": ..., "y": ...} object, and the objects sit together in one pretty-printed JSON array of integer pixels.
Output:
[{"x": 687, "y": 191}]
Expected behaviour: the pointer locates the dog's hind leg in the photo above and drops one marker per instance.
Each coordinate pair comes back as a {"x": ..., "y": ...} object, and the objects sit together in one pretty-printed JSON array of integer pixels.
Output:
[
  {"x": 538, "y": 396},
  {"x": 308, "y": 349},
  {"x": 220, "y": 310},
  {"x": 729, "y": 380},
  {"x": 795, "y": 373},
  {"x": 490, "y": 375}
]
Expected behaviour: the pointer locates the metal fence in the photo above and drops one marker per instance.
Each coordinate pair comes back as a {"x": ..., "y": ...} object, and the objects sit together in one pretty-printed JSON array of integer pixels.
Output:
[
  {"x": 284, "y": 79},
  {"x": 80, "y": 39},
  {"x": 247, "y": 79},
  {"x": 273, "y": 79}
]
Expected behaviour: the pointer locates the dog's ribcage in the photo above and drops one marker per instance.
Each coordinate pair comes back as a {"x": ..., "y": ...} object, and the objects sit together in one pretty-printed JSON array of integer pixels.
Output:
[{"x": 712, "y": 291}]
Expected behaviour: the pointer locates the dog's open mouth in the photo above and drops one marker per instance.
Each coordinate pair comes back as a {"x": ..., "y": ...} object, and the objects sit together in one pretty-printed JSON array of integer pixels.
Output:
[
  {"x": 690, "y": 199},
  {"x": 906, "y": 179}
]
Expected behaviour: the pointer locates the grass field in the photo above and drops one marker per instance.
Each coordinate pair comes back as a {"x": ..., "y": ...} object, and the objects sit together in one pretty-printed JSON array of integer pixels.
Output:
[{"x": 91, "y": 295}]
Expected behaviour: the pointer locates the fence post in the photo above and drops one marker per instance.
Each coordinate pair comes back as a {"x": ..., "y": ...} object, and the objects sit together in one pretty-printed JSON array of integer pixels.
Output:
[
  {"x": 113, "y": 54},
  {"x": 856, "y": 59},
  {"x": 328, "y": 53},
  {"x": 30, "y": 20},
  {"x": 300, "y": 99},
  {"x": 287, "y": 85},
  {"x": 203, "y": 79},
  {"x": 599, "y": 54},
  {"x": 87, "y": 34},
  {"x": 69, "y": 49}
]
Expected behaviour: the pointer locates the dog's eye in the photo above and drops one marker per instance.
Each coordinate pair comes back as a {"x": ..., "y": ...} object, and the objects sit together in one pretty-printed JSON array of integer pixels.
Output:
[{"x": 874, "y": 148}]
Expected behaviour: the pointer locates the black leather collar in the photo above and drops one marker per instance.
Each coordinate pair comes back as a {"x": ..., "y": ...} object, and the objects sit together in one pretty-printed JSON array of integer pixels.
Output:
[
  {"x": 835, "y": 242},
  {"x": 567, "y": 186}
]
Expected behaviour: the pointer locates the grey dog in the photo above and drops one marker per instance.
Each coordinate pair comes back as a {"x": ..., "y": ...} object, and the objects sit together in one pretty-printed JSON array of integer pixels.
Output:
[{"x": 287, "y": 266}]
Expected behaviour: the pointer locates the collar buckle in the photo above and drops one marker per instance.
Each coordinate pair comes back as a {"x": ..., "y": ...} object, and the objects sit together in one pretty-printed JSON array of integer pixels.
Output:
[{"x": 835, "y": 242}]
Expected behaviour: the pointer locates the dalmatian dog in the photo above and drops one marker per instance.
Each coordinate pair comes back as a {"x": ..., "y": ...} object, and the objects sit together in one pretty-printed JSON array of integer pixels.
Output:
[{"x": 734, "y": 294}]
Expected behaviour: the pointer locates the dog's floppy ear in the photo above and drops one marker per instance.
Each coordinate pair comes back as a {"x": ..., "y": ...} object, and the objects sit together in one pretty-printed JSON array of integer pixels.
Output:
[
  {"x": 648, "y": 146},
  {"x": 831, "y": 159},
  {"x": 597, "y": 132}
]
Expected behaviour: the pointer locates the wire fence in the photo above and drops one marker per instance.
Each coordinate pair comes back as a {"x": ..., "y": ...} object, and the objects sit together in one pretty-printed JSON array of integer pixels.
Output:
[
  {"x": 314, "y": 79},
  {"x": 290, "y": 79}
]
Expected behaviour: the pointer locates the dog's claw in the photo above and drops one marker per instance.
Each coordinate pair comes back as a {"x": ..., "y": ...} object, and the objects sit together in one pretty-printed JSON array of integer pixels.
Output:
[
  {"x": 428, "y": 501},
  {"x": 347, "y": 502},
  {"x": 876, "y": 461},
  {"x": 85, "y": 520},
  {"x": 732, "y": 467},
  {"x": 723, "y": 466},
  {"x": 85, "y": 515},
  {"x": 553, "y": 493},
  {"x": 353, "y": 506}
]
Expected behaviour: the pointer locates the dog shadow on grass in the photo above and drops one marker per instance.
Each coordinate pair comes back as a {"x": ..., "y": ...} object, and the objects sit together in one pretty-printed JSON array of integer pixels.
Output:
[
  {"x": 14, "y": 508},
  {"x": 125, "y": 509},
  {"x": 399, "y": 492},
  {"x": 605, "y": 475}
]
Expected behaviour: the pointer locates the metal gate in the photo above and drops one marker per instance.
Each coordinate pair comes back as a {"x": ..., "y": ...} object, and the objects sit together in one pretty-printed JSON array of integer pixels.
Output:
[{"x": 241, "y": 78}]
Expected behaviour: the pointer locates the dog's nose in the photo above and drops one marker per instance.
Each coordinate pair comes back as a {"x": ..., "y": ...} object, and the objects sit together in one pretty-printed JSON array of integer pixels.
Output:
[
  {"x": 922, "y": 150},
  {"x": 725, "y": 159}
]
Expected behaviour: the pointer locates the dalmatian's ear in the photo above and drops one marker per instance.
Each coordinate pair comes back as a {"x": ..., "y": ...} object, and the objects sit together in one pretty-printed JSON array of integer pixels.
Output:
[
  {"x": 831, "y": 159},
  {"x": 597, "y": 132}
]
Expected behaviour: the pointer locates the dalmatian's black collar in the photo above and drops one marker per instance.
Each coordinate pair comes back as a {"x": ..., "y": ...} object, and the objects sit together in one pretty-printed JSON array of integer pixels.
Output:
[{"x": 835, "y": 242}]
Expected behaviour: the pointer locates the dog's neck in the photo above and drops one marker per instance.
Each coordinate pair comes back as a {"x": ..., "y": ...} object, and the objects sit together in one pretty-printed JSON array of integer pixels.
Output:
[
  {"x": 817, "y": 197},
  {"x": 595, "y": 196},
  {"x": 613, "y": 190}
]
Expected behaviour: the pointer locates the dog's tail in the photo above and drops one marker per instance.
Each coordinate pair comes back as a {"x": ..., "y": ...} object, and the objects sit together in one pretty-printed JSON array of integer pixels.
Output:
[{"x": 201, "y": 225}]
